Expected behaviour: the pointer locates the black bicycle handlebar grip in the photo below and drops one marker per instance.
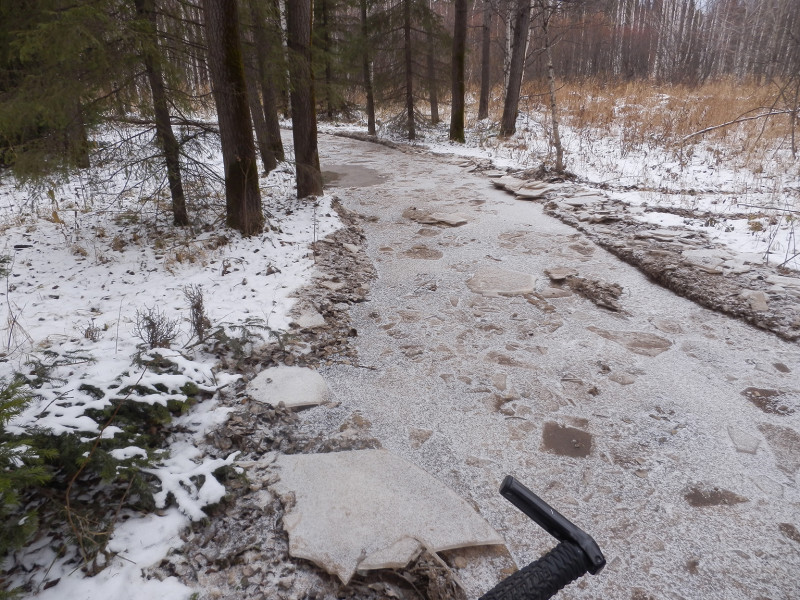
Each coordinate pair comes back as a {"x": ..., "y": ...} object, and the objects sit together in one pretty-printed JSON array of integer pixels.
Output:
[{"x": 543, "y": 578}]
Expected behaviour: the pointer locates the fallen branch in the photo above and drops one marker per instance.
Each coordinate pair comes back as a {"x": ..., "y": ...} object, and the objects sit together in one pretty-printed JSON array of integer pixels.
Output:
[
  {"x": 735, "y": 121},
  {"x": 173, "y": 121},
  {"x": 777, "y": 208}
]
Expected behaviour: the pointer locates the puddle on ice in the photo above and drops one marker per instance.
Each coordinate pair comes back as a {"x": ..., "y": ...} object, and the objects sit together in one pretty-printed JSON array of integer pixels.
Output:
[
  {"x": 423, "y": 252},
  {"x": 701, "y": 496},
  {"x": 351, "y": 176},
  {"x": 638, "y": 342},
  {"x": 767, "y": 400},
  {"x": 566, "y": 441}
]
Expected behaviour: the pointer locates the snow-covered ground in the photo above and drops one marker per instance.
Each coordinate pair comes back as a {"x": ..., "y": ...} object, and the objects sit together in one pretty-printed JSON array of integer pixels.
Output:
[
  {"x": 87, "y": 260},
  {"x": 748, "y": 202}
]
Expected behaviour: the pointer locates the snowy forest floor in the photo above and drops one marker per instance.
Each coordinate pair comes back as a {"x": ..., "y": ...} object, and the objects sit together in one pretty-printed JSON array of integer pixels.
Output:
[{"x": 87, "y": 264}]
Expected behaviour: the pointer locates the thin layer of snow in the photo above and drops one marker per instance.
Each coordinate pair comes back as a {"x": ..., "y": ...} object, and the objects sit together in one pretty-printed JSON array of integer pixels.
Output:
[
  {"x": 753, "y": 198},
  {"x": 87, "y": 258}
]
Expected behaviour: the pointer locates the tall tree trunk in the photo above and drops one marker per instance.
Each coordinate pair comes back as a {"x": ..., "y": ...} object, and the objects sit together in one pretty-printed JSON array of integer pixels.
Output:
[
  {"x": 242, "y": 196},
  {"x": 304, "y": 118},
  {"x": 408, "y": 67},
  {"x": 486, "y": 67},
  {"x": 326, "y": 54},
  {"x": 266, "y": 75},
  {"x": 433, "y": 80},
  {"x": 522, "y": 21},
  {"x": 459, "y": 52},
  {"x": 76, "y": 140},
  {"x": 145, "y": 9},
  {"x": 551, "y": 82},
  {"x": 367, "y": 70},
  {"x": 433, "y": 84},
  {"x": 268, "y": 159}
]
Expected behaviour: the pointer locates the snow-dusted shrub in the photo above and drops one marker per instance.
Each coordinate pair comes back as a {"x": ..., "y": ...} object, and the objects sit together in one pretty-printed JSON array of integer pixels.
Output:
[
  {"x": 20, "y": 469},
  {"x": 102, "y": 438}
]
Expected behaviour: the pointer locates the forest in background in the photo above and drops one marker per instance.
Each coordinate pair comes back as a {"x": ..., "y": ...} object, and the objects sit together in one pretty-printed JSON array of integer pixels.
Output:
[
  {"x": 146, "y": 91},
  {"x": 70, "y": 71}
]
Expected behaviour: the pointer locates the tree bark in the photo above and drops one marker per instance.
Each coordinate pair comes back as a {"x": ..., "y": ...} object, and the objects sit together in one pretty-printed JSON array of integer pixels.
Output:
[
  {"x": 459, "y": 54},
  {"x": 145, "y": 10},
  {"x": 266, "y": 75},
  {"x": 242, "y": 195},
  {"x": 324, "y": 24},
  {"x": 367, "y": 71},
  {"x": 76, "y": 140},
  {"x": 268, "y": 159},
  {"x": 433, "y": 86},
  {"x": 408, "y": 68},
  {"x": 522, "y": 20},
  {"x": 304, "y": 118},
  {"x": 551, "y": 82},
  {"x": 486, "y": 72}
]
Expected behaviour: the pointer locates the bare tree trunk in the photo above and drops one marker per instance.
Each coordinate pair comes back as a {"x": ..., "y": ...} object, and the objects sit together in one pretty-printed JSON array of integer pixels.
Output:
[
  {"x": 263, "y": 51},
  {"x": 324, "y": 23},
  {"x": 257, "y": 113},
  {"x": 522, "y": 20},
  {"x": 304, "y": 118},
  {"x": 459, "y": 52},
  {"x": 76, "y": 140},
  {"x": 367, "y": 70},
  {"x": 486, "y": 72},
  {"x": 408, "y": 67},
  {"x": 551, "y": 82},
  {"x": 145, "y": 10},
  {"x": 433, "y": 91},
  {"x": 242, "y": 196}
]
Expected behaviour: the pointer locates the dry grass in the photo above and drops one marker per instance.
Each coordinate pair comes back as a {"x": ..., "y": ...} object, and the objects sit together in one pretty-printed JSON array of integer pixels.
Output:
[{"x": 643, "y": 114}]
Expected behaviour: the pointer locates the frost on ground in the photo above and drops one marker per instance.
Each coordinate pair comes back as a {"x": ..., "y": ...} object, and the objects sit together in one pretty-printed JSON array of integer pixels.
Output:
[
  {"x": 90, "y": 263},
  {"x": 97, "y": 319},
  {"x": 741, "y": 191}
]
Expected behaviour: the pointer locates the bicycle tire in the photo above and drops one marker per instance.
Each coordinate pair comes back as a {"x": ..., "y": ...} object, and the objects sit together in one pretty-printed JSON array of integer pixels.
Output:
[{"x": 543, "y": 578}]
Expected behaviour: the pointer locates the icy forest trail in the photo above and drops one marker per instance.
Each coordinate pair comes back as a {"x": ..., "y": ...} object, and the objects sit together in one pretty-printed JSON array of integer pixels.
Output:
[{"x": 670, "y": 432}]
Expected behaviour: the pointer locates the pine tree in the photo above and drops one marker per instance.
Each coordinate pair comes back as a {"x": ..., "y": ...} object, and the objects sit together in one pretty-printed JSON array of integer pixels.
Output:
[{"x": 20, "y": 468}]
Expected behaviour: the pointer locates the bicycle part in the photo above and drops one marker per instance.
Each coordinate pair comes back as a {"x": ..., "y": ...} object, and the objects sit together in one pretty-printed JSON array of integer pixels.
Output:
[
  {"x": 542, "y": 578},
  {"x": 575, "y": 555},
  {"x": 552, "y": 521}
]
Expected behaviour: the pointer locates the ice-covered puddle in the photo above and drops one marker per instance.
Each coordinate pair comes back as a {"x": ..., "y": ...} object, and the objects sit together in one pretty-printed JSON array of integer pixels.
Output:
[{"x": 640, "y": 424}]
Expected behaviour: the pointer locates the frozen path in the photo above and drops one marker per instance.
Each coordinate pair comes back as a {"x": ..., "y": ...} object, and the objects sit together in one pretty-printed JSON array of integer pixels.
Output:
[{"x": 667, "y": 431}]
